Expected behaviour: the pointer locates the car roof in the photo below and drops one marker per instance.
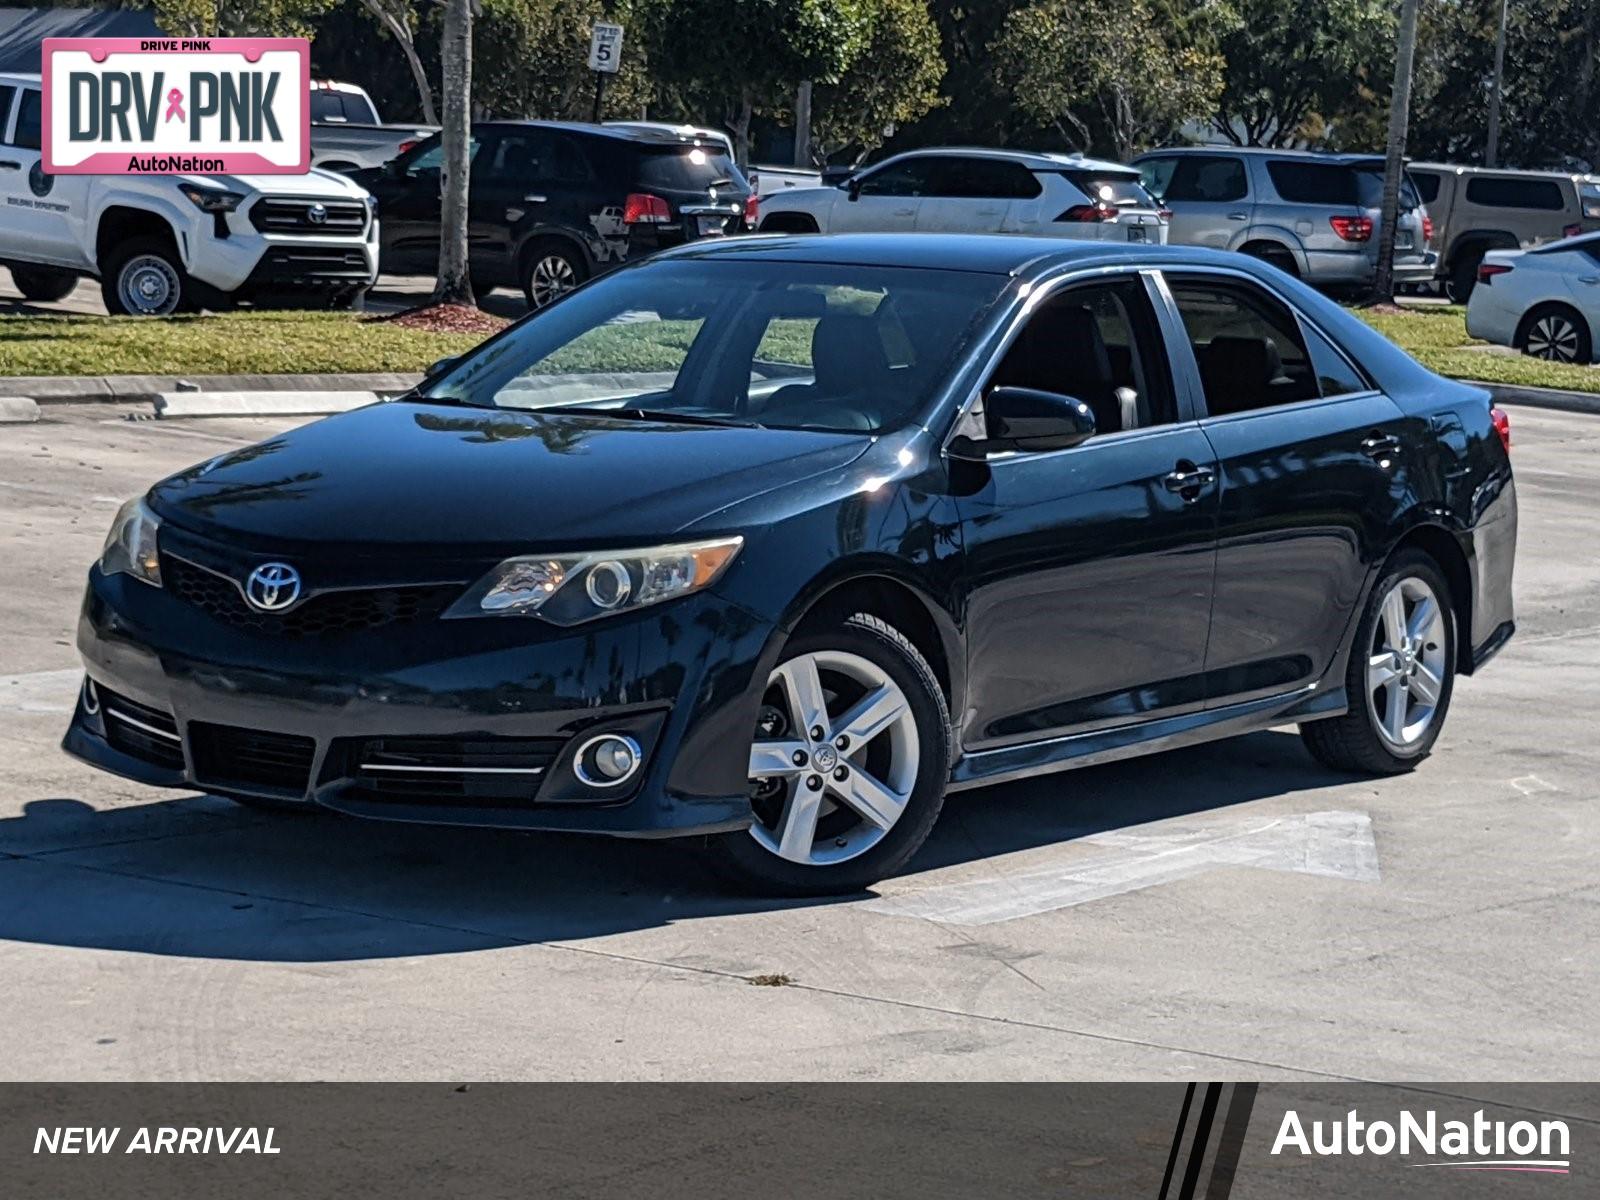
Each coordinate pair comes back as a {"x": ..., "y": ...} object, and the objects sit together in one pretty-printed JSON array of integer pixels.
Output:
[
  {"x": 20, "y": 77},
  {"x": 994, "y": 254},
  {"x": 1497, "y": 172},
  {"x": 1034, "y": 160},
  {"x": 620, "y": 133},
  {"x": 1337, "y": 158}
]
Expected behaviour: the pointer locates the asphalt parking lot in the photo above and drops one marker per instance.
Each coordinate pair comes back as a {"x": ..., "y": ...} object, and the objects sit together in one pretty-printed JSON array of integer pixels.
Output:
[{"x": 1234, "y": 911}]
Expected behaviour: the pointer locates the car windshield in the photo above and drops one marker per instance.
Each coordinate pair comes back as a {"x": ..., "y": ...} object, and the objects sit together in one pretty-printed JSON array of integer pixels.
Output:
[{"x": 777, "y": 344}]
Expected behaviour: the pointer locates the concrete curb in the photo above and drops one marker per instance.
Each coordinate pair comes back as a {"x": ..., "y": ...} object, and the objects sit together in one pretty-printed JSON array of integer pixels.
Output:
[
  {"x": 1578, "y": 402},
  {"x": 258, "y": 404},
  {"x": 18, "y": 410},
  {"x": 101, "y": 389}
]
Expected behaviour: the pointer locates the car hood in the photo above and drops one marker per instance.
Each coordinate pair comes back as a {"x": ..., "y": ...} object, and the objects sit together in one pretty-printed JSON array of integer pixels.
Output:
[
  {"x": 315, "y": 182},
  {"x": 451, "y": 480}
]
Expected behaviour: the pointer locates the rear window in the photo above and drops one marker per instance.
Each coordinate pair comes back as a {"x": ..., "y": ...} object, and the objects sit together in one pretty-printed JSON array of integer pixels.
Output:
[
  {"x": 1314, "y": 182},
  {"x": 1123, "y": 191},
  {"x": 6, "y": 91},
  {"x": 688, "y": 168},
  {"x": 1542, "y": 194}
]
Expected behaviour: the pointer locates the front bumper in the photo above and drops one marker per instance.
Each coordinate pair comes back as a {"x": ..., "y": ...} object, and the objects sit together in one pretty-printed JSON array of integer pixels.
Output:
[
  {"x": 235, "y": 257},
  {"x": 180, "y": 698}
]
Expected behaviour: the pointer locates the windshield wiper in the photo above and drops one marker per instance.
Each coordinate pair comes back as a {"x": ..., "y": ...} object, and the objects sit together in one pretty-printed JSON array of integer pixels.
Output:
[{"x": 634, "y": 412}]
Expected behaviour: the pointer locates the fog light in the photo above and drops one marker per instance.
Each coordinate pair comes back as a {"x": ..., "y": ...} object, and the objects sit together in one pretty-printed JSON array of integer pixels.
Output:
[
  {"x": 91, "y": 697},
  {"x": 607, "y": 760}
]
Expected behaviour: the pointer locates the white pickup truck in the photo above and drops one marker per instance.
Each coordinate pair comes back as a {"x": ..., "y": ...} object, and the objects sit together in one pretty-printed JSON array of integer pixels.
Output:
[
  {"x": 347, "y": 134},
  {"x": 161, "y": 244}
]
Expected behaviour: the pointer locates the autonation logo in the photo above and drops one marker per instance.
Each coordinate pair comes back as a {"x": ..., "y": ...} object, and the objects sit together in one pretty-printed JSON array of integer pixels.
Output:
[{"x": 1476, "y": 1145}]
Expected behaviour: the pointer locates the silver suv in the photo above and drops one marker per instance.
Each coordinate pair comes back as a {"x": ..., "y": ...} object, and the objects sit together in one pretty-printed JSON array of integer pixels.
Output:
[{"x": 1312, "y": 215}]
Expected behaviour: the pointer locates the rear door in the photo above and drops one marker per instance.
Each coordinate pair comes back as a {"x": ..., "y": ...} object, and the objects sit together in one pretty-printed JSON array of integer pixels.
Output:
[
  {"x": 1208, "y": 195},
  {"x": 974, "y": 195},
  {"x": 525, "y": 180},
  {"x": 888, "y": 199},
  {"x": 1312, "y": 470}
]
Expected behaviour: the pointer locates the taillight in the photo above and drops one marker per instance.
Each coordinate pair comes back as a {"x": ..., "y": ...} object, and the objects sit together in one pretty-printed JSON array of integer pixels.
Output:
[
  {"x": 1352, "y": 229},
  {"x": 641, "y": 208},
  {"x": 1502, "y": 426},
  {"x": 405, "y": 145},
  {"x": 1088, "y": 212},
  {"x": 1427, "y": 229},
  {"x": 1164, "y": 213},
  {"x": 752, "y": 210},
  {"x": 1487, "y": 271},
  {"x": 1571, "y": 230}
]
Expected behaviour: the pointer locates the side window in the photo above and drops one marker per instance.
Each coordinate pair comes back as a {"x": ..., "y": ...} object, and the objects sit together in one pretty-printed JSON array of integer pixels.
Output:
[
  {"x": 27, "y": 135},
  {"x": 1101, "y": 344},
  {"x": 1156, "y": 175},
  {"x": 1249, "y": 348},
  {"x": 1492, "y": 192},
  {"x": 1427, "y": 186},
  {"x": 1209, "y": 178},
  {"x": 1301, "y": 182},
  {"x": 910, "y": 177},
  {"x": 981, "y": 178},
  {"x": 1335, "y": 375},
  {"x": 6, "y": 92},
  {"x": 431, "y": 160}
]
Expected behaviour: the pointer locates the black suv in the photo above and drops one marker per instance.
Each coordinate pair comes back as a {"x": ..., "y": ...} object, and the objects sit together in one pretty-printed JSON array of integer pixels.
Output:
[{"x": 556, "y": 202}]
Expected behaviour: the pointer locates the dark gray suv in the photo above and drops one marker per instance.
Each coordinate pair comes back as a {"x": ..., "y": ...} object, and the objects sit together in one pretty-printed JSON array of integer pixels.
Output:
[{"x": 1313, "y": 215}]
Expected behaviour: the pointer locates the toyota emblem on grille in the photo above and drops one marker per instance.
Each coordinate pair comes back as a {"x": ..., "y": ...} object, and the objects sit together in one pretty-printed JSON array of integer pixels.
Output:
[
  {"x": 272, "y": 586},
  {"x": 317, "y": 214}
]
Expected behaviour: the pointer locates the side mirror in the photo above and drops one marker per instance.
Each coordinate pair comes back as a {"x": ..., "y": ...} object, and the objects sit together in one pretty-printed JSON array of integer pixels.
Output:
[
  {"x": 853, "y": 187},
  {"x": 1026, "y": 419},
  {"x": 443, "y": 365}
]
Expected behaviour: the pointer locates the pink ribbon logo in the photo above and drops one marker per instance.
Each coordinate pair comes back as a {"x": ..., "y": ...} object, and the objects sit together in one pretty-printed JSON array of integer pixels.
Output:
[{"x": 175, "y": 105}]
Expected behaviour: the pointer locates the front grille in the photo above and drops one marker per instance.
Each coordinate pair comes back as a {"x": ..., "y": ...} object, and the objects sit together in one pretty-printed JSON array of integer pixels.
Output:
[
  {"x": 286, "y": 263},
  {"x": 225, "y": 756},
  {"x": 321, "y": 615},
  {"x": 465, "y": 770},
  {"x": 141, "y": 731},
  {"x": 341, "y": 218}
]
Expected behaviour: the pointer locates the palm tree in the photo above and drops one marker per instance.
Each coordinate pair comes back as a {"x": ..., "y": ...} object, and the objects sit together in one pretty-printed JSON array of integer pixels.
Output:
[
  {"x": 1395, "y": 152},
  {"x": 455, "y": 285}
]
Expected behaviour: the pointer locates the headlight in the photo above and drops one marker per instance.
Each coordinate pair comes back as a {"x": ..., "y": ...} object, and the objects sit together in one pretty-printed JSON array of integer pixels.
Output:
[
  {"x": 210, "y": 199},
  {"x": 130, "y": 547},
  {"x": 568, "y": 589}
]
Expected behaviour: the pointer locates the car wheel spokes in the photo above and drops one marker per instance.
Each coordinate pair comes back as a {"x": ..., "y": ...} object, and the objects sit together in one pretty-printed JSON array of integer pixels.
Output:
[
  {"x": 1553, "y": 338},
  {"x": 551, "y": 277},
  {"x": 846, "y": 768},
  {"x": 1406, "y": 666}
]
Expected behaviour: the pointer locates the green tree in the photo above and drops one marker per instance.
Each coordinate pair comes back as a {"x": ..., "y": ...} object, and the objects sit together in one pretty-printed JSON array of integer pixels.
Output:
[
  {"x": 1288, "y": 66},
  {"x": 748, "y": 55},
  {"x": 240, "y": 18},
  {"x": 1136, "y": 69},
  {"x": 533, "y": 59},
  {"x": 398, "y": 18},
  {"x": 893, "y": 81}
]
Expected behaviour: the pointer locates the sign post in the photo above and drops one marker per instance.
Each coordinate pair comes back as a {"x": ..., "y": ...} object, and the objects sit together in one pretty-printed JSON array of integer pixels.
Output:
[{"x": 605, "y": 58}]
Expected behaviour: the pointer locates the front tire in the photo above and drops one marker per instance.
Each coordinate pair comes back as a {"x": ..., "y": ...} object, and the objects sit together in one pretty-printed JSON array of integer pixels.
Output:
[
  {"x": 848, "y": 766},
  {"x": 1400, "y": 677},
  {"x": 145, "y": 278},
  {"x": 1555, "y": 333},
  {"x": 43, "y": 284}
]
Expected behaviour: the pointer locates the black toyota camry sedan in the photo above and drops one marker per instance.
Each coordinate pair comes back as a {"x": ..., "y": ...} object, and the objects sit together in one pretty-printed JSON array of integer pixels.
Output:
[{"x": 773, "y": 542}]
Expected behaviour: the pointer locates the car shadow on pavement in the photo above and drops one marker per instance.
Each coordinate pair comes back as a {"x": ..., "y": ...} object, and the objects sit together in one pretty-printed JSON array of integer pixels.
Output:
[{"x": 200, "y": 877}]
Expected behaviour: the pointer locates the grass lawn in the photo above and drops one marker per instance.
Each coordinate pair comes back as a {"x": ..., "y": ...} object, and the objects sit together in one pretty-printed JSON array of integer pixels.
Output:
[
  {"x": 1437, "y": 337},
  {"x": 265, "y": 343}
]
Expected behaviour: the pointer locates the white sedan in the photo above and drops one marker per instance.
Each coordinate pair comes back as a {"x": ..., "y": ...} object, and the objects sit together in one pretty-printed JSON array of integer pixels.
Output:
[{"x": 1544, "y": 301}]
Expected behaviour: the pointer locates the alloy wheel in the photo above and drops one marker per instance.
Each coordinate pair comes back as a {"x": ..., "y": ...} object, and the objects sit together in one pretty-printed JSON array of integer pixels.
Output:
[
  {"x": 1406, "y": 665},
  {"x": 1553, "y": 337},
  {"x": 149, "y": 286},
  {"x": 551, "y": 276},
  {"x": 834, "y": 761}
]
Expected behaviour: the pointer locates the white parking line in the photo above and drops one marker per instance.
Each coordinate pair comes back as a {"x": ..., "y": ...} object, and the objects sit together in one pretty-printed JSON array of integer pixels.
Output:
[{"x": 40, "y": 691}]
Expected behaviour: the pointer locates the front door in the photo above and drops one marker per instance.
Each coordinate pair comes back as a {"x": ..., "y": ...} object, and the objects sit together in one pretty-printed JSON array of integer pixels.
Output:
[
  {"x": 886, "y": 200},
  {"x": 409, "y": 208},
  {"x": 1090, "y": 569},
  {"x": 1312, "y": 466},
  {"x": 44, "y": 213}
]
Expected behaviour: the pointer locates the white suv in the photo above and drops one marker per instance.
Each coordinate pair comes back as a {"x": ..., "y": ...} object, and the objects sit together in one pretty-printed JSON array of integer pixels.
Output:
[
  {"x": 977, "y": 191},
  {"x": 165, "y": 243}
]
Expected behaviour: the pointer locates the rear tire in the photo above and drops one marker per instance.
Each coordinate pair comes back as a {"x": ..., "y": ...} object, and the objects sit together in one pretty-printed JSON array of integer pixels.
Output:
[
  {"x": 1273, "y": 255},
  {"x": 43, "y": 284},
  {"x": 1555, "y": 333},
  {"x": 551, "y": 269},
  {"x": 1463, "y": 277},
  {"x": 144, "y": 277},
  {"x": 811, "y": 836},
  {"x": 1400, "y": 677}
]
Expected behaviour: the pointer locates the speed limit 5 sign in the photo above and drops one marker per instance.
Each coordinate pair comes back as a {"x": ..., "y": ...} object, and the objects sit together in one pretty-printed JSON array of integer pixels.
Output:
[{"x": 605, "y": 48}]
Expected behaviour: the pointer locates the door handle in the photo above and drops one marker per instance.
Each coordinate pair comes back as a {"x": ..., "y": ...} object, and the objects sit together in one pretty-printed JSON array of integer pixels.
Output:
[
  {"x": 10, "y": 164},
  {"x": 1381, "y": 446},
  {"x": 536, "y": 199},
  {"x": 904, "y": 212},
  {"x": 1238, "y": 216},
  {"x": 1591, "y": 280},
  {"x": 1187, "y": 479}
]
